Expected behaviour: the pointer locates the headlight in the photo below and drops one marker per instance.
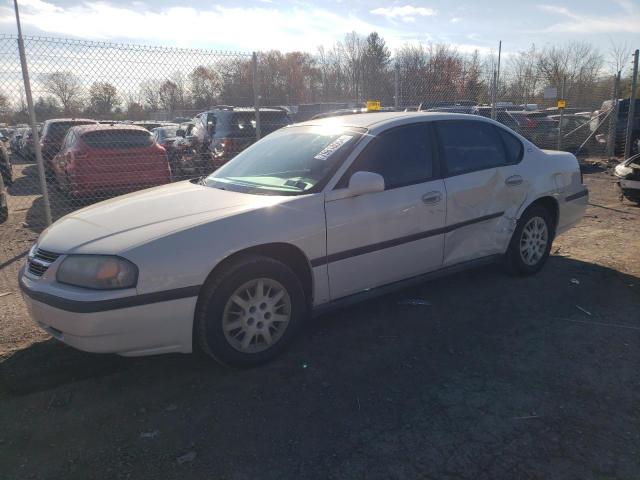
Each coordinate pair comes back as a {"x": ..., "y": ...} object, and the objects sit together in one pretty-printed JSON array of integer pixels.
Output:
[{"x": 101, "y": 272}]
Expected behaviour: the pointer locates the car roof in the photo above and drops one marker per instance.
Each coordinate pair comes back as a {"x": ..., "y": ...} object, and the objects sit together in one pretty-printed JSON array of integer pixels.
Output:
[
  {"x": 70, "y": 120},
  {"x": 100, "y": 127},
  {"x": 382, "y": 119}
]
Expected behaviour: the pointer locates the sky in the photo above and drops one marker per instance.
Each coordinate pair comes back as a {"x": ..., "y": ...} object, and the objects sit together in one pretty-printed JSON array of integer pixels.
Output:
[{"x": 304, "y": 25}]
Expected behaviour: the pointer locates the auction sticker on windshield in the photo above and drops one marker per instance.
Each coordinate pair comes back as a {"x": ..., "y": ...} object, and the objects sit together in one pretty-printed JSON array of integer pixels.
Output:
[{"x": 332, "y": 147}]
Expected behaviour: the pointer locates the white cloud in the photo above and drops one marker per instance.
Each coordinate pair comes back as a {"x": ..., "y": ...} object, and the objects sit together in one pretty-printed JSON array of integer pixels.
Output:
[
  {"x": 572, "y": 22},
  {"x": 245, "y": 28},
  {"x": 455, "y": 20},
  {"x": 406, "y": 13}
]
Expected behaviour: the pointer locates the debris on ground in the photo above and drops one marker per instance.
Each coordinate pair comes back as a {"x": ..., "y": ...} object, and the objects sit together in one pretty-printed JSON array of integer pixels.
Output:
[
  {"x": 575, "y": 281},
  {"x": 171, "y": 408},
  {"x": 186, "y": 458},
  {"x": 4, "y": 294},
  {"x": 583, "y": 310},
  {"x": 414, "y": 302},
  {"x": 152, "y": 434}
]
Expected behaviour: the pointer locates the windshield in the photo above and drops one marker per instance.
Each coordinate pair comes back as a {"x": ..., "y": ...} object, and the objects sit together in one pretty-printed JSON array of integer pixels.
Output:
[{"x": 291, "y": 161}]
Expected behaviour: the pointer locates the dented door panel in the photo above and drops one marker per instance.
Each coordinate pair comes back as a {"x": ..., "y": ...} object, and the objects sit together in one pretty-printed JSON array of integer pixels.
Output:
[{"x": 481, "y": 212}]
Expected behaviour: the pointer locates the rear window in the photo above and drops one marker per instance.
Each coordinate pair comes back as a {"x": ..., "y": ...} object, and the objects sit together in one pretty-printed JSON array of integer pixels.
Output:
[
  {"x": 57, "y": 130},
  {"x": 243, "y": 124},
  {"x": 118, "y": 139}
]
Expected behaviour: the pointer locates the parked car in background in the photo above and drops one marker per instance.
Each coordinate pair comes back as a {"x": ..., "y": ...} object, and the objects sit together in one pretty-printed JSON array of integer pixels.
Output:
[
  {"x": 166, "y": 136},
  {"x": 223, "y": 132},
  {"x": 485, "y": 110},
  {"x": 6, "y": 170},
  {"x": 455, "y": 106},
  {"x": 628, "y": 175},
  {"x": 351, "y": 111},
  {"x": 186, "y": 162},
  {"x": 53, "y": 133},
  {"x": 600, "y": 121},
  {"x": 149, "y": 124},
  {"x": 534, "y": 126},
  {"x": 27, "y": 149},
  {"x": 575, "y": 131},
  {"x": 14, "y": 141},
  {"x": 4, "y": 204},
  {"x": 97, "y": 160},
  {"x": 233, "y": 263}
]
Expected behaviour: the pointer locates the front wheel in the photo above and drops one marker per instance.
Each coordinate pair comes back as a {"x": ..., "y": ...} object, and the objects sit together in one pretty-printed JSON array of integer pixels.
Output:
[
  {"x": 531, "y": 242},
  {"x": 249, "y": 312}
]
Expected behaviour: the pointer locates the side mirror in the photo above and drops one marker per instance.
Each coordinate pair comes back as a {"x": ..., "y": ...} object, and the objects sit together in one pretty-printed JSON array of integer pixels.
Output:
[
  {"x": 361, "y": 183},
  {"x": 211, "y": 126}
]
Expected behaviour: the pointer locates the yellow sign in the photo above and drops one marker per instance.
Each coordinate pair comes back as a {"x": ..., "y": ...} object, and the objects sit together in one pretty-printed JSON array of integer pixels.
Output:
[
  {"x": 562, "y": 103},
  {"x": 373, "y": 105}
]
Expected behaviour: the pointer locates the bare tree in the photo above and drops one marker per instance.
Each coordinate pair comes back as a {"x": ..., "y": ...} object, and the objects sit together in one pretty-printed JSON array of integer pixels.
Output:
[
  {"x": 103, "y": 98},
  {"x": 618, "y": 55},
  {"x": 66, "y": 88}
]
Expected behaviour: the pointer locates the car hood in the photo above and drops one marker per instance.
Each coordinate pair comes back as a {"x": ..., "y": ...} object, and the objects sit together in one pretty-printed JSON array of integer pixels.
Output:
[{"x": 116, "y": 225}]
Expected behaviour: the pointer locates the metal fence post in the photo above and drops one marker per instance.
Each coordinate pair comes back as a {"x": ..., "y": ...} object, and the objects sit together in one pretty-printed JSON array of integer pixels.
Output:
[
  {"x": 32, "y": 120},
  {"x": 396, "y": 80},
  {"x": 564, "y": 82},
  {"x": 613, "y": 120},
  {"x": 256, "y": 94},
  {"x": 632, "y": 105},
  {"x": 493, "y": 95}
]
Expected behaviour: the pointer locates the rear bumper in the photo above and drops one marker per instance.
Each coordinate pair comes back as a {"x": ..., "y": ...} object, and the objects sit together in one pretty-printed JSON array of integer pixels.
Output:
[
  {"x": 572, "y": 209},
  {"x": 154, "y": 328}
]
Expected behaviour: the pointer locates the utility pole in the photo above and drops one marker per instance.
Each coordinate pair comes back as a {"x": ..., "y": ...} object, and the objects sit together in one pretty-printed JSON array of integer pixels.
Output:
[
  {"x": 564, "y": 81},
  {"x": 32, "y": 119},
  {"x": 396, "y": 80},
  {"x": 632, "y": 105},
  {"x": 256, "y": 93}
]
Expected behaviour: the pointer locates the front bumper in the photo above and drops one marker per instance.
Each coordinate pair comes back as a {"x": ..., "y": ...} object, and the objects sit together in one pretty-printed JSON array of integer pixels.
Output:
[{"x": 147, "y": 329}]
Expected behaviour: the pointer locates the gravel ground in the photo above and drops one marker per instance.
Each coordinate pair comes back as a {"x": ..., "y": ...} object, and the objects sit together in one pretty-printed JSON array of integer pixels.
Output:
[{"x": 500, "y": 377}]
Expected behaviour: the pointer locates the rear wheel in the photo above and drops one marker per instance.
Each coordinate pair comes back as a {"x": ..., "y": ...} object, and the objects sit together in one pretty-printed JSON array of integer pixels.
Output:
[
  {"x": 531, "y": 241},
  {"x": 249, "y": 312}
]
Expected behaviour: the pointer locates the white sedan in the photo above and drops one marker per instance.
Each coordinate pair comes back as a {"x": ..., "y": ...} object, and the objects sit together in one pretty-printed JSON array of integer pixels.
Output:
[{"x": 313, "y": 216}]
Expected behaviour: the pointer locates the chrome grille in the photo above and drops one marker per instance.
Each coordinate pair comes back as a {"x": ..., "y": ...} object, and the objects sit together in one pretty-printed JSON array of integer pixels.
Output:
[{"x": 41, "y": 261}]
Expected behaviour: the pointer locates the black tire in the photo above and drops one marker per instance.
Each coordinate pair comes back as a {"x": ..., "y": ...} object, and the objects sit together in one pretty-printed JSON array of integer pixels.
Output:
[
  {"x": 209, "y": 335},
  {"x": 514, "y": 258}
]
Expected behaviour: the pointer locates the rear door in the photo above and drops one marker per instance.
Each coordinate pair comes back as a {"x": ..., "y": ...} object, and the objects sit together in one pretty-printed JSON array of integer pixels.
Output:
[
  {"x": 379, "y": 238},
  {"x": 485, "y": 185}
]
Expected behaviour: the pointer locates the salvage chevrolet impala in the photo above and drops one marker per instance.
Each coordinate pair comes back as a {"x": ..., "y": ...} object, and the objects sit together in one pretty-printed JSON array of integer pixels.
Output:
[{"x": 313, "y": 216}]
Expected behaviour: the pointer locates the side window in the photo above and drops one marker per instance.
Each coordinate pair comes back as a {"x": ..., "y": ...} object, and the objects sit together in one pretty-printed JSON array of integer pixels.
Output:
[
  {"x": 470, "y": 145},
  {"x": 512, "y": 146},
  {"x": 403, "y": 156}
]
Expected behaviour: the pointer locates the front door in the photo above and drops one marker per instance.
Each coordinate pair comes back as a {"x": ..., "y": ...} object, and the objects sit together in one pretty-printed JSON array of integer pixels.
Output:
[{"x": 379, "y": 238}]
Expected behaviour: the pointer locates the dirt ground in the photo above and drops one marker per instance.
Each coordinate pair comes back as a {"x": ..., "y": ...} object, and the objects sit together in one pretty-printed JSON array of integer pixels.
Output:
[{"x": 499, "y": 377}]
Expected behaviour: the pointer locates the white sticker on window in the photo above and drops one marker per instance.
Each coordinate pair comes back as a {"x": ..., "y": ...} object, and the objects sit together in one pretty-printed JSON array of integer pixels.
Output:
[{"x": 332, "y": 147}]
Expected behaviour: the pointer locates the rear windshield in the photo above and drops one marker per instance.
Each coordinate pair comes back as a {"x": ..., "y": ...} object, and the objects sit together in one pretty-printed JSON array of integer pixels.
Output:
[
  {"x": 165, "y": 132},
  {"x": 243, "y": 124},
  {"x": 56, "y": 131},
  {"x": 118, "y": 139}
]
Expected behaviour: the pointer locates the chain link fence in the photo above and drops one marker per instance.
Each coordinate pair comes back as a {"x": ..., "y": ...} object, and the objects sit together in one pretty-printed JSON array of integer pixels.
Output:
[{"x": 116, "y": 118}]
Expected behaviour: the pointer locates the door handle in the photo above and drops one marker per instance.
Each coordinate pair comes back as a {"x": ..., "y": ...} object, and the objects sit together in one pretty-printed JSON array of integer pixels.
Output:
[
  {"x": 513, "y": 180},
  {"x": 431, "y": 197}
]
